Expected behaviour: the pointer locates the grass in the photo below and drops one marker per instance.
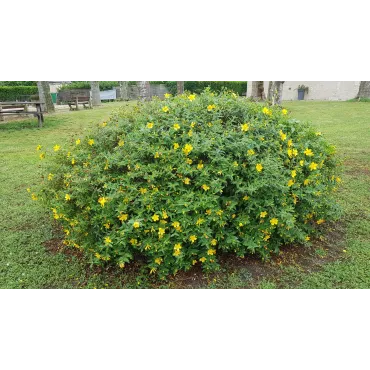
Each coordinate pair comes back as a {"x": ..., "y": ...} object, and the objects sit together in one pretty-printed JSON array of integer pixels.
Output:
[{"x": 28, "y": 243}]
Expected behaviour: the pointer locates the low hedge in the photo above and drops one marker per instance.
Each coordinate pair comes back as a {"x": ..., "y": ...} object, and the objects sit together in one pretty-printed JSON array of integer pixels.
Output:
[
  {"x": 178, "y": 182},
  {"x": 239, "y": 87},
  {"x": 10, "y": 93}
]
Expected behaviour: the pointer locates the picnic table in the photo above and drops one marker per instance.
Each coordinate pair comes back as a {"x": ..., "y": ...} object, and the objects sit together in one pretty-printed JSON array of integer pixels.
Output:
[{"x": 17, "y": 107}]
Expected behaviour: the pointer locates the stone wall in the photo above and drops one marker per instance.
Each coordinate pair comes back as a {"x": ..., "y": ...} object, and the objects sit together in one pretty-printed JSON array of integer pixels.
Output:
[{"x": 317, "y": 90}]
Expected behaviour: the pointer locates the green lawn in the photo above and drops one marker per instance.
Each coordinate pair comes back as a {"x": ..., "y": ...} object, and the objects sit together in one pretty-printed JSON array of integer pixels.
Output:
[{"x": 26, "y": 232}]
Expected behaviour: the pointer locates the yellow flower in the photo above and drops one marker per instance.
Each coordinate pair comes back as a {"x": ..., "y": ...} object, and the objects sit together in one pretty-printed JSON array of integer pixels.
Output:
[
  {"x": 78, "y": 141},
  {"x": 194, "y": 262},
  {"x": 189, "y": 161},
  {"x": 176, "y": 146},
  {"x": 176, "y": 225},
  {"x": 211, "y": 252},
  {"x": 161, "y": 231},
  {"x": 103, "y": 124},
  {"x": 290, "y": 153},
  {"x": 98, "y": 256},
  {"x": 186, "y": 181},
  {"x": 308, "y": 152},
  {"x": 123, "y": 217},
  {"x": 150, "y": 125},
  {"x": 177, "y": 247},
  {"x": 312, "y": 166},
  {"x": 193, "y": 238},
  {"x": 155, "y": 218},
  {"x": 282, "y": 135},
  {"x": 50, "y": 176},
  {"x": 121, "y": 265},
  {"x": 245, "y": 127},
  {"x": 38, "y": 147},
  {"x": 263, "y": 214},
  {"x": 307, "y": 238},
  {"x": 121, "y": 143},
  {"x": 321, "y": 221},
  {"x": 267, "y": 111},
  {"x": 42, "y": 155},
  {"x": 295, "y": 152},
  {"x": 102, "y": 201},
  {"x": 91, "y": 142},
  {"x": 290, "y": 182},
  {"x": 208, "y": 212},
  {"x": 67, "y": 197},
  {"x": 245, "y": 197},
  {"x": 192, "y": 124},
  {"x": 164, "y": 215},
  {"x": 294, "y": 173},
  {"x": 213, "y": 242},
  {"x": 147, "y": 247},
  {"x": 165, "y": 109},
  {"x": 210, "y": 107},
  {"x": 205, "y": 187},
  {"x": 200, "y": 165},
  {"x": 191, "y": 97},
  {"x": 158, "y": 260},
  {"x": 166, "y": 95},
  {"x": 220, "y": 212},
  {"x": 199, "y": 221},
  {"x": 107, "y": 240},
  {"x": 136, "y": 224},
  {"x": 176, "y": 126},
  {"x": 274, "y": 221},
  {"x": 306, "y": 182},
  {"x": 176, "y": 252},
  {"x": 156, "y": 155},
  {"x": 259, "y": 167},
  {"x": 143, "y": 190},
  {"x": 203, "y": 259},
  {"x": 107, "y": 225},
  {"x": 133, "y": 241},
  {"x": 190, "y": 133},
  {"x": 290, "y": 143},
  {"x": 318, "y": 133},
  {"x": 235, "y": 164},
  {"x": 34, "y": 196},
  {"x": 338, "y": 180},
  {"x": 187, "y": 149},
  {"x": 284, "y": 112},
  {"x": 301, "y": 162},
  {"x": 250, "y": 152},
  {"x": 56, "y": 148},
  {"x": 29, "y": 190}
]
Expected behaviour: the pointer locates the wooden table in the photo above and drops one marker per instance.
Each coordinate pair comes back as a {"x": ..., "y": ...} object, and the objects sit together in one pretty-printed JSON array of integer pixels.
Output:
[{"x": 19, "y": 107}]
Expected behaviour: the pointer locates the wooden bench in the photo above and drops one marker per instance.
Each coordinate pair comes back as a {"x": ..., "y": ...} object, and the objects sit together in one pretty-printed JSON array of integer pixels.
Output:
[
  {"x": 84, "y": 100},
  {"x": 16, "y": 108}
]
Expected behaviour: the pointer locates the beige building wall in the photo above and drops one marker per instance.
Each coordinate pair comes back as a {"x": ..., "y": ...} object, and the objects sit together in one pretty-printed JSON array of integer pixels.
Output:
[{"x": 317, "y": 90}]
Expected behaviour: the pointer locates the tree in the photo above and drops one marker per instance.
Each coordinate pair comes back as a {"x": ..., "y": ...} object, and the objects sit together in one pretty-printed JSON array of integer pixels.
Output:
[
  {"x": 123, "y": 85},
  {"x": 143, "y": 89},
  {"x": 180, "y": 87},
  {"x": 45, "y": 97},
  {"x": 364, "y": 90},
  {"x": 275, "y": 92},
  {"x": 256, "y": 90},
  {"x": 95, "y": 93}
]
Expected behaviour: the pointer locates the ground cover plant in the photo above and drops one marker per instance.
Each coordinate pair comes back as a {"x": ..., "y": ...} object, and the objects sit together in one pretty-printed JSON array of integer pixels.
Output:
[{"x": 176, "y": 183}]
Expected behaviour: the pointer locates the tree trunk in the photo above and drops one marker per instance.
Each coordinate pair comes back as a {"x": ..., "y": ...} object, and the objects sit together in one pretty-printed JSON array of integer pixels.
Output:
[
  {"x": 275, "y": 92},
  {"x": 180, "y": 87},
  {"x": 255, "y": 90},
  {"x": 45, "y": 97},
  {"x": 143, "y": 87},
  {"x": 95, "y": 93},
  {"x": 124, "y": 90},
  {"x": 364, "y": 90}
]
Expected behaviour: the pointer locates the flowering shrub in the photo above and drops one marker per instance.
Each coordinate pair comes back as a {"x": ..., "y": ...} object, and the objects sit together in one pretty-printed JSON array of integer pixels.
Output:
[{"x": 177, "y": 182}]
